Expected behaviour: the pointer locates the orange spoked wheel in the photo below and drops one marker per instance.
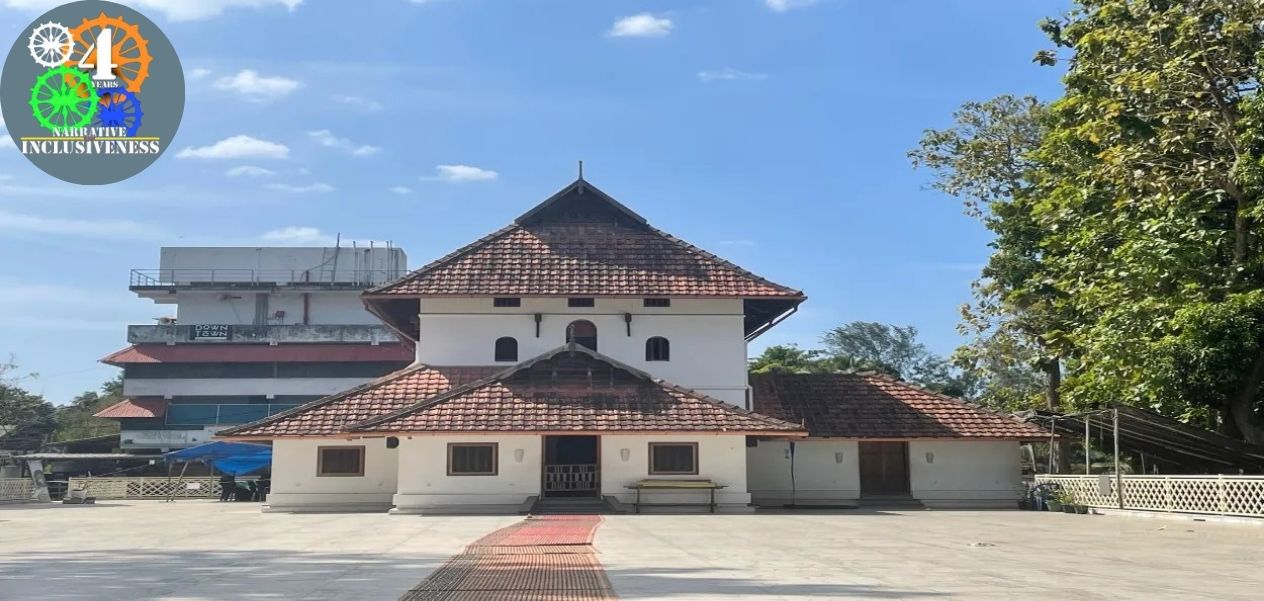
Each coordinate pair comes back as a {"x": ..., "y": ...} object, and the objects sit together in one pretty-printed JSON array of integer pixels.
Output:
[{"x": 129, "y": 51}]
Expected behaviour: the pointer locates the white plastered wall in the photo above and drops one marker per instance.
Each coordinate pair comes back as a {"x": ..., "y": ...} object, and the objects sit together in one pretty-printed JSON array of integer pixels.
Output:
[
  {"x": 721, "y": 458},
  {"x": 296, "y": 487},
  {"x": 708, "y": 347},
  {"x": 965, "y": 473},
  {"x": 825, "y": 471},
  {"x": 424, "y": 483}
]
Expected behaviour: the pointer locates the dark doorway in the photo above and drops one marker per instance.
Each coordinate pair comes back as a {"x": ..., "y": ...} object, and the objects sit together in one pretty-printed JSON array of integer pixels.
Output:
[
  {"x": 884, "y": 469},
  {"x": 571, "y": 466}
]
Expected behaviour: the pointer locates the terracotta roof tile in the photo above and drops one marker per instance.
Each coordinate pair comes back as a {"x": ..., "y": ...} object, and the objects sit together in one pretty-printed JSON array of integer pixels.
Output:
[
  {"x": 582, "y": 242},
  {"x": 129, "y": 408},
  {"x": 873, "y": 406},
  {"x": 583, "y": 259},
  {"x": 574, "y": 389},
  {"x": 391, "y": 392}
]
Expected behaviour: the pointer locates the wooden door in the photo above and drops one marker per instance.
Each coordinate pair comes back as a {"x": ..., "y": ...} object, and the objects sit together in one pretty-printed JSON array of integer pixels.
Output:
[{"x": 884, "y": 468}]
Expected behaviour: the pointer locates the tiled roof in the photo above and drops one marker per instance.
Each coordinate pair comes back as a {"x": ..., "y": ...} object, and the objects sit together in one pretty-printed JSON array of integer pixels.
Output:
[
  {"x": 391, "y": 392},
  {"x": 129, "y": 408},
  {"x": 581, "y": 242},
  {"x": 258, "y": 353},
  {"x": 874, "y": 406},
  {"x": 573, "y": 389}
]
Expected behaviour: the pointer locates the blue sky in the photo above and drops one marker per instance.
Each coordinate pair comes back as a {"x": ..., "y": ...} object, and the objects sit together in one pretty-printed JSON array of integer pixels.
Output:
[{"x": 771, "y": 132}]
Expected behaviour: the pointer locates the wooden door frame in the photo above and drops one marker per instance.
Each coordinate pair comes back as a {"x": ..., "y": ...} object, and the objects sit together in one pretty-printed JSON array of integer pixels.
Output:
[
  {"x": 907, "y": 484},
  {"x": 544, "y": 461}
]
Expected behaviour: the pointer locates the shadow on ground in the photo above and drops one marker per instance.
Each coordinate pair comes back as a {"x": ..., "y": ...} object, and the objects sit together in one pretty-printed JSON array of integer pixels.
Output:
[
  {"x": 685, "y": 583},
  {"x": 272, "y": 574}
]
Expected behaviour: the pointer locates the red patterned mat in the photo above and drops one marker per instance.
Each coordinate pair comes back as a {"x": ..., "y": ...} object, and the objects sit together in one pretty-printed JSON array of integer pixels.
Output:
[{"x": 543, "y": 558}]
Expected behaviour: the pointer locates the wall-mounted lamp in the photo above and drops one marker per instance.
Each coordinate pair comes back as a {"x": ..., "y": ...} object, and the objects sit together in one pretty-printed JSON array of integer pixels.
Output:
[
  {"x": 624, "y": 454},
  {"x": 519, "y": 454},
  {"x": 930, "y": 458},
  {"x": 627, "y": 319},
  {"x": 538, "y": 318},
  {"x": 838, "y": 457}
]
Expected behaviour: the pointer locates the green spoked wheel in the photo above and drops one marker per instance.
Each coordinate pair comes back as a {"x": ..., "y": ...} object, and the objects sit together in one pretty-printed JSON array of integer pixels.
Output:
[{"x": 64, "y": 97}]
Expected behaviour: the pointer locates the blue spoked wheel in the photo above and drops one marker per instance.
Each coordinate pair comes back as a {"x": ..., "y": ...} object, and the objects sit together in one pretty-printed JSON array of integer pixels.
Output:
[{"x": 119, "y": 108}]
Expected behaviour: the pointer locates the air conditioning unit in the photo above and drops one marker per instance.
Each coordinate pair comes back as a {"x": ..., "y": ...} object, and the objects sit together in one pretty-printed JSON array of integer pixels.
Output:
[{"x": 166, "y": 321}]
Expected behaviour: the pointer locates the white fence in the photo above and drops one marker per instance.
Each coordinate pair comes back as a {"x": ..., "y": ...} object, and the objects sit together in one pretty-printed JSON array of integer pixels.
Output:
[
  {"x": 1218, "y": 495},
  {"x": 149, "y": 487},
  {"x": 16, "y": 489}
]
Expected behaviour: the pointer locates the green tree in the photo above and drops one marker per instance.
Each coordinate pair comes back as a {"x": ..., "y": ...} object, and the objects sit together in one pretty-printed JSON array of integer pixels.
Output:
[
  {"x": 986, "y": 159},
  {"x": 895, "y": 350},
  {"x": 76, "y": 420},
  {"x": 1149, "y": 185},
  {"x": 26, "y": 419},
  {"x": 794, "y": 360}
]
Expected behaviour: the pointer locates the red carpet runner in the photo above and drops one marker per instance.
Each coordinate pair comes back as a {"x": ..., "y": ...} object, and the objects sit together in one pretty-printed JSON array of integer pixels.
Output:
[{"x": 543, "y": 558}]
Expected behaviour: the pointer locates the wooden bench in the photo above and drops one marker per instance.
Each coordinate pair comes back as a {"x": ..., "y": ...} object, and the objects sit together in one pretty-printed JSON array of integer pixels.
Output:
[{"x": 681, "y": 485}]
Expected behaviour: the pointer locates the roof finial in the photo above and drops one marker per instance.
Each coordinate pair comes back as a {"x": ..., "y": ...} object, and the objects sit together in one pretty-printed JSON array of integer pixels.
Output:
[{"x": 581, "y": 171}]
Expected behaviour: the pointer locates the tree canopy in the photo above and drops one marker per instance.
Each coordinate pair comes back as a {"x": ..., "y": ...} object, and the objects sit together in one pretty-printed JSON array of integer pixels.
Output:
[{"x": 1128, "y": 247}]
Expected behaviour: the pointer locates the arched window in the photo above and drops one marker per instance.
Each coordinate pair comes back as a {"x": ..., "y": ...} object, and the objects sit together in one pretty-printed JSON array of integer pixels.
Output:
[
  {"x": 582, "y": 332},
  {"x": 506, "y": 349},
  {"x": 657, "y": 349}
]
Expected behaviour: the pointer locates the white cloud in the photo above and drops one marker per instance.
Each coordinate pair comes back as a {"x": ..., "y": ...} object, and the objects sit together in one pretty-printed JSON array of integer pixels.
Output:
[
  {"x": 327, "y": 139},
  {"x": 108, "y": 229},
  {"x": 198, "y": 73},
  {"x": 365, "y": 104},
  {"x": 255, "y": 87},
  {"x": 176, "y": 10},
  {"x": 782, "y": 6},
  {"x": 297, "y": 236},
  {"x": 730, "y": 74},
  {"x": 237, "y": 147},
  {"x": 644, "y": 25},
  {"x": 317, "y": 187},
  {"x": 400, "y": 190},
  {"x": 462, "y": 173},
  {"x": 249, "y": 171}
]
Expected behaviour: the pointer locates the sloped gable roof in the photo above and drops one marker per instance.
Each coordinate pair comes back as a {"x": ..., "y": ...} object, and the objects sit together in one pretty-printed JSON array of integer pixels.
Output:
[
  {"x": 134, "y": 408},
  {"x": 581, "y": 242},
  {"x": 332, "y": 414},
  {"x": 877, "y": 406},
  {"x": 574, "y": 389}
]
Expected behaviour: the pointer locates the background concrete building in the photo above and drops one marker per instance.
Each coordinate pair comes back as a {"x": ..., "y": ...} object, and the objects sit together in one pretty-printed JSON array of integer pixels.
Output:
[{"x": 251, "y": 332}]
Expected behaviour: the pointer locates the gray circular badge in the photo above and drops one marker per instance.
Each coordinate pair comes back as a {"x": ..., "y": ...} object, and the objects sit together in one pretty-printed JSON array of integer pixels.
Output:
[{"x": 92, "y": 92}]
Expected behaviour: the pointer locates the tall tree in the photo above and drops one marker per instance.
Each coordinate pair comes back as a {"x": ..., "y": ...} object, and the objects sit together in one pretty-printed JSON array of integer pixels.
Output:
[
  {"x": 791, "y": 359},
  {"x": 986, "y": 159},
  {"x": 76, "y": 420},
  {"x": 26, "y": 419},
  {"x": 1150, "y": 182},
  {"x": 894, "y": 350}
]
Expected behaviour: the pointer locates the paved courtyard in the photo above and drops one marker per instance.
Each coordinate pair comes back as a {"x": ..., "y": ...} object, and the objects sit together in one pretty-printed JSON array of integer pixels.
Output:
[{"x": 196, "y": 550}]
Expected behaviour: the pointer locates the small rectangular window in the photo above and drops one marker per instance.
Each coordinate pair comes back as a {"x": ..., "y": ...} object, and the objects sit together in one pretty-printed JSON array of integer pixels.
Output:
[
  {"x": 656, "y": 302},
  {"x": 472, "y": 458},
  {"x": 506, "y": 301},
  {"x": 580, "y": 301},
  {"x": 668, "y": 458},
  {"x": 340, "y": 461}
]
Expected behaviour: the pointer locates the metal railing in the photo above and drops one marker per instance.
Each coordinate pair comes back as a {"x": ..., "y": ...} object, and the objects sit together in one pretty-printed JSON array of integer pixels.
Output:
[
  {"x": 1215, "y": 495},
  {"x": 16, "y": 490},
  {"x": 143, "y": 334},
  {"x": 196, "y": 414},
  {"x": 570, "y": 478},
  {"x": 165, "y": 278}
]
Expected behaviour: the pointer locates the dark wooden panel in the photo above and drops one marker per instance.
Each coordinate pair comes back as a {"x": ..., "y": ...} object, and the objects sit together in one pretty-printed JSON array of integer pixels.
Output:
[{"x": 884, "y": 468}]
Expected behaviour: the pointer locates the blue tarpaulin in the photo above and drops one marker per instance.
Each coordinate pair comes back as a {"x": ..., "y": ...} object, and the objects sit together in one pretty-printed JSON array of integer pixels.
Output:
[{"x": 236, "y": 458}]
